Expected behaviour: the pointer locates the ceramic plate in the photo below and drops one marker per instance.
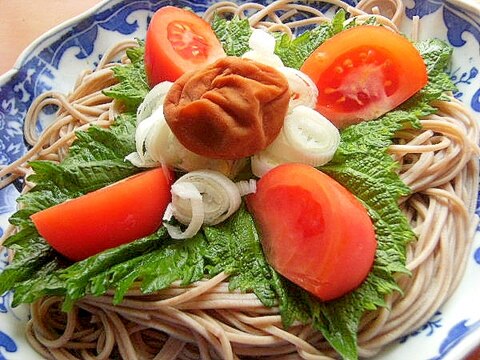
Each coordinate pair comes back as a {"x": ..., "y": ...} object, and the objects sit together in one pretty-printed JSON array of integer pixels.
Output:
[{"x": 54, "y": 60}]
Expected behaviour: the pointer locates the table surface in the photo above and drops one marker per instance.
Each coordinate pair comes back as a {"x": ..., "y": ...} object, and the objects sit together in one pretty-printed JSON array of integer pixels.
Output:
[
  {"x": 29, "y": 25},
  {"x": 22, "y": 21}
]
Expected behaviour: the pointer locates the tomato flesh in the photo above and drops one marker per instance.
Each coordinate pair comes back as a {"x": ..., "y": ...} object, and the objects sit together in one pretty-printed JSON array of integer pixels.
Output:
[
  {"x": 363, "y": 72},
  {"x": 313, "y": 231},
  {"x": 186, "y": 42},
  {"x": 367, "y": 76},
  {"x": 108, "y": 217},
  {"x": 178, "y": 41}
]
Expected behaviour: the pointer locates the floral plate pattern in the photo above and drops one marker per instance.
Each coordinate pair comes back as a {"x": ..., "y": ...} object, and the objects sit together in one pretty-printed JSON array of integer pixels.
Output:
[{"x": 53, "y": 62}]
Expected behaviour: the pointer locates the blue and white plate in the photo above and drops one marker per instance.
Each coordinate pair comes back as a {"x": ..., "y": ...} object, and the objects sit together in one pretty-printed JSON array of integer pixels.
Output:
[{"x": 54, "y": 60}]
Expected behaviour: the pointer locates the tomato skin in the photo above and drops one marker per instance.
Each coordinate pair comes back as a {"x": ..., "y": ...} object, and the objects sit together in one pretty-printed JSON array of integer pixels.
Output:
[
  {"x": 313, "y": 231},
  {"x": 178, "y": 41},
  {"x": 364, "y": 72},
  {"x": 108, "y": 217}
]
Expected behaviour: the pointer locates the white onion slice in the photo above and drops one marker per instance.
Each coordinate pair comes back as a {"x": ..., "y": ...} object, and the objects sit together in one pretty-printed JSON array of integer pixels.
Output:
[
  {"x": 143, "y": 131},
  {"x": 135, "y": 159},
  {"x": 303, "y": 89},
  {"x": 272, "y": 60},
  {"x": 263, "y": 162},
  {"x": 219, "y": 195},
  {"x": 187, "y": 193},
  {"x": 262, "y": 41},
  {"x": 150, "y": 141},
  {"x": 153, "y": 100},
  {"x": 262, "y": 45},
  {"x": 182, "y": 158},
  {"x": 151, "y": 126},
  {"x": 306, "y": 137},
  {"x": 156, "y": 144},
  {"x": 246, "y": 187}
]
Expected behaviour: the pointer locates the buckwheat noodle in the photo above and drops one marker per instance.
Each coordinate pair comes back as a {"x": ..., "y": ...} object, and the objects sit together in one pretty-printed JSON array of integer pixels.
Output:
[{"x": 206, "y": 320}]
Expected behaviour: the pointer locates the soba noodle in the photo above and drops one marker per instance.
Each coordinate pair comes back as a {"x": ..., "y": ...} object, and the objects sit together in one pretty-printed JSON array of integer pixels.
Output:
[{"x": 206, "y": 320}]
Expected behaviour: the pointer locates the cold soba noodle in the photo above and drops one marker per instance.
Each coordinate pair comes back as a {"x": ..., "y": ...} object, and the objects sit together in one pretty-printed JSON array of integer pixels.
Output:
[{"x": 439, "y": 163}]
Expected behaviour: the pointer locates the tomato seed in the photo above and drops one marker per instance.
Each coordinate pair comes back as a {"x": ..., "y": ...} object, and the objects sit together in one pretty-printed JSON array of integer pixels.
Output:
[
  {"x": 329, "y": 90},
  {"x": 348, "y": 63}
]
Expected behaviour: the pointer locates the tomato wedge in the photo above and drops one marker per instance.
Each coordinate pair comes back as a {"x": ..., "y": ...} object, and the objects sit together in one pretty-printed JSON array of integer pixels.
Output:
[
  {"x": 178, "y": 41},
  {"x": 363, "y": 72},
  {"x": 108, "y": 217},
  {"x": 313, "y": 231}
]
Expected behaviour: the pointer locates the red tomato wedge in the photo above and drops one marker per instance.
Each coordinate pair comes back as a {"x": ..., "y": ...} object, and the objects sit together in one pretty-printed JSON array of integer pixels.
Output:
[
  {"x": 363, "y": 72},
  {"x": 313, "y": 231},
  {"x": 178, "y": 41},
  {"x": 108, "y": 217}
]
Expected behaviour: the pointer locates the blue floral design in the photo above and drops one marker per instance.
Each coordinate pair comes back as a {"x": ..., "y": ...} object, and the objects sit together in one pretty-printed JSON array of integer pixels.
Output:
[
  {"x": 423, "y": 8},
  {"x": 8, "y": 197},
  {"x": 5, "y": 303},
  {"x": 454, "y": 336},
  {"x": 457, "y": 21},
  {"x": 7, "y": 343},
  {"x": 427, "y": 329},
  {"x": 463, "y": 77},
  {"x": 476, "y": 256},
  {"x": 475, "y": 103}
]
